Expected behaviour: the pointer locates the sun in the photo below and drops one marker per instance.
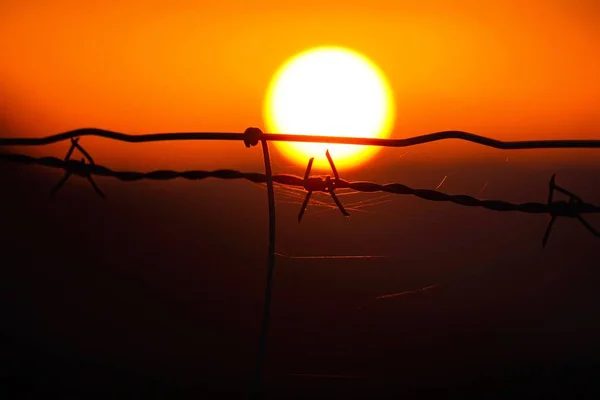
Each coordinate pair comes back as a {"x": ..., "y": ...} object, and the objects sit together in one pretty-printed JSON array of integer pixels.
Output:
[{"x": 329, "y": 91}]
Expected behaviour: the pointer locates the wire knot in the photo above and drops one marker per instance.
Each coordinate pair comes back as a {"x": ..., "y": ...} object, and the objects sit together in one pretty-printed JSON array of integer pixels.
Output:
[
  {"x": 330, "y": 184},
  {"x": 252, "y": 136},
  {"x": 569, "y": 209},
  {"x": 318, "y": 184}
]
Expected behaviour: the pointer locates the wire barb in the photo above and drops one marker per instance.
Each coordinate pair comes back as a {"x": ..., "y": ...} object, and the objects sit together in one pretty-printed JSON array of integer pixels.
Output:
[
  {"x": 81, "y": 169},
  {"x": 570, "y": 209},
  {"x": 319, "y": 184}
]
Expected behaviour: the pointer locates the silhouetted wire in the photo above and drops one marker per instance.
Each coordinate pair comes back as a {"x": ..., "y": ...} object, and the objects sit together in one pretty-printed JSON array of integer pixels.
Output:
[
  {"x": 256, "y": 392},
  {"x": 316, "y": 184},
  {"x": 259, "y": 135}
]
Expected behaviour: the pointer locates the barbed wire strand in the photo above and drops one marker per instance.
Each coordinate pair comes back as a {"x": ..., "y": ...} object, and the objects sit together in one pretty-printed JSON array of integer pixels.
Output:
[
  {"x": 314, "y": 183},
  {"x": 255, "y": 136}
]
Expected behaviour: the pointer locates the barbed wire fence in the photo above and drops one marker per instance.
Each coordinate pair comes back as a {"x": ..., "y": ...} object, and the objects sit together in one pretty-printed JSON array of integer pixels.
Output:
[{"x": 575, "y": 207}]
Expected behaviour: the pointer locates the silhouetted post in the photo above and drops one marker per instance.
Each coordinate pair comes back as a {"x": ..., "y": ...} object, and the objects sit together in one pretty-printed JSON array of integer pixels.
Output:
[{"x": 253, "y": 136}]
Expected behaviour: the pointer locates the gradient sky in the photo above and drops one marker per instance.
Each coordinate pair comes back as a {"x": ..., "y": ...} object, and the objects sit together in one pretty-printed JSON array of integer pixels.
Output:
[{"x": 512, "y": 70}]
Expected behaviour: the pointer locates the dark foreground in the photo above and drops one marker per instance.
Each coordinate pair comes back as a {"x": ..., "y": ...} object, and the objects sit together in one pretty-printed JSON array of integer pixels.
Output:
[{"x": 157, "y": 293}]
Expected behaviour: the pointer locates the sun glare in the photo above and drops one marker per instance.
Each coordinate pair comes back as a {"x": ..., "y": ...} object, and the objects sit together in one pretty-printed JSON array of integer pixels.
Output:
[{"x": 329, "y": 91}]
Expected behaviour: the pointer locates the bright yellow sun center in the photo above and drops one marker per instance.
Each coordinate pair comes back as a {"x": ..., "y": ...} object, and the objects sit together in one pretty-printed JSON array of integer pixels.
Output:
[{"x": 329, "y": 91}]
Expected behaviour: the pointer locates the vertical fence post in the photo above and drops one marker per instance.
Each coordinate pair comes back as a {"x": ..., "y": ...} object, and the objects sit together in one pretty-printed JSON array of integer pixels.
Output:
[{"x": 253, "y": 135}]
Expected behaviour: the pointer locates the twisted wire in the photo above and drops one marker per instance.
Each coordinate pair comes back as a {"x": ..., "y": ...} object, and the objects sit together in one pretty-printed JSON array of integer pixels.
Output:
[{"x": 559, "y": 208}]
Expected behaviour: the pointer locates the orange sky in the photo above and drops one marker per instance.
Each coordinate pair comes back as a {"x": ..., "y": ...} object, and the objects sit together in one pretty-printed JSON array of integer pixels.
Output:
[{"x": 513, "y": 70}]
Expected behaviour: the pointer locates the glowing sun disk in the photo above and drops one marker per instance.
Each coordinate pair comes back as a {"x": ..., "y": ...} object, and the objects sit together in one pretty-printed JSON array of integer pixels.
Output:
[{"x": 329, "y": 91}]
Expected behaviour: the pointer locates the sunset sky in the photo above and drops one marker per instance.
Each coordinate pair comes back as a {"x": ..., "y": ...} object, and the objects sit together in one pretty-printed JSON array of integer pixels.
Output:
[
  {"x": 165, "y": 280},
  {"x": 511, "y": 69}
]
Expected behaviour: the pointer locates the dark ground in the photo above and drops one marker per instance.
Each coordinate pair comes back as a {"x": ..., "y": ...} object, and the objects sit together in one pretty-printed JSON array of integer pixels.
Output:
[{"x": 157, "y": 292}]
